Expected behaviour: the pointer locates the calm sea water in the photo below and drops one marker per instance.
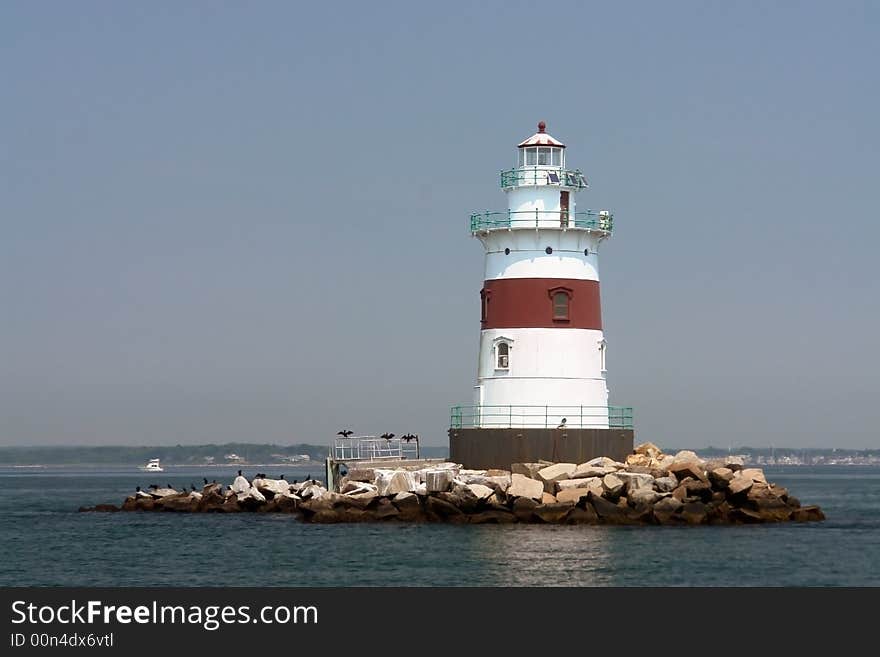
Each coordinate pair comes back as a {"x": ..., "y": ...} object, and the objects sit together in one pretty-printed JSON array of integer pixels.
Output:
[{"x": 45, "y": 542}]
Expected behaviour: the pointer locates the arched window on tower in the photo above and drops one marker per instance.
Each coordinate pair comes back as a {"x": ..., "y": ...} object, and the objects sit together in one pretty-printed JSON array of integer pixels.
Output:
[
  {"x": 561, "y": 304},
  {"x": 501, "y": 352}
]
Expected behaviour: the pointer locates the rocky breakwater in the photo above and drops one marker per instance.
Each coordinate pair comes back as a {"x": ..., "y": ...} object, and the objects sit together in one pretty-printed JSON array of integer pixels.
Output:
[{"x": 649, "y": 488}]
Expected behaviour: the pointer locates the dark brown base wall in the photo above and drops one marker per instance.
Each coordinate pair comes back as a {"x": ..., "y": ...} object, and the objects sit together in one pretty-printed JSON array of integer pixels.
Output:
[{"x": 481, "y": 449}]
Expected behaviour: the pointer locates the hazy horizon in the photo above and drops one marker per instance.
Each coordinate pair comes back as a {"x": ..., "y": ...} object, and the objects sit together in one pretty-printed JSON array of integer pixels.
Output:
[{"x": 250, "y": 223}]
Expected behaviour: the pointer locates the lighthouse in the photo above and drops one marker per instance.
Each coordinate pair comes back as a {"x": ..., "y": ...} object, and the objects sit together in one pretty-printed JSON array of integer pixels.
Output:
[{"x": 541, "y": 386}]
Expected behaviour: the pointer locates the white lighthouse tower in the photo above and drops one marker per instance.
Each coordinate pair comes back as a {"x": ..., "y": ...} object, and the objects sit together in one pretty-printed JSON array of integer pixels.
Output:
[{"x": 542, "y": 350}]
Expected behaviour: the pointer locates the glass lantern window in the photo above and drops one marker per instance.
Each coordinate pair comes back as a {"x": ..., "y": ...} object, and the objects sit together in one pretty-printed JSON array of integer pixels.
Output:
[
  {"x": 555, "y": 157},
  {"x": 531, "y": 157}
]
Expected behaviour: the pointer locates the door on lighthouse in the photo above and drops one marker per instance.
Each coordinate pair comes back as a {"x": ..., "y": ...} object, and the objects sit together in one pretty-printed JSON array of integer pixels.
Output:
[{"x": 563, "y": 209}]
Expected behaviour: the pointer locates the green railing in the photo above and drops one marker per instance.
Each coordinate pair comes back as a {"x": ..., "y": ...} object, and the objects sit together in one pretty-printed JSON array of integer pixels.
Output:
[
  {"x": 543, "y": 176},
  {"x": 602, "y": 220},
  {"x": 548, "y": 417}
]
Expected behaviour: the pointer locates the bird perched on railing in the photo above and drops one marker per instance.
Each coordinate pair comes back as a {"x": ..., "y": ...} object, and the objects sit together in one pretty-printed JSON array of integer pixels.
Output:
[
  {"x": 410, "y": 437},
  {"x": 345, "y": 433},
  {"x": 562, "y": 424},
  {"x": 387, "y": 436}
]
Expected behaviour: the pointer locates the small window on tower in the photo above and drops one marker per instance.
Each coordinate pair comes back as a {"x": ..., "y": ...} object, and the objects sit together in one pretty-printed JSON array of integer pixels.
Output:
[
  {"x": 561, "y": 300},
  {"x": 503, "y": 356},
  {"x": 484, "y": 305}
]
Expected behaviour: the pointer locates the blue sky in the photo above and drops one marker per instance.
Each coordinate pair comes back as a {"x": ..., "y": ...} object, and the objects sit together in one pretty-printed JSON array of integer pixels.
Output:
[{"x": 248, "y": 221}]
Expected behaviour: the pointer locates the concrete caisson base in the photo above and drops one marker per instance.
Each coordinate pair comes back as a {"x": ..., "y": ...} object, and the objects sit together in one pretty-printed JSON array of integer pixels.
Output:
[{"x": 480, "y": 449}]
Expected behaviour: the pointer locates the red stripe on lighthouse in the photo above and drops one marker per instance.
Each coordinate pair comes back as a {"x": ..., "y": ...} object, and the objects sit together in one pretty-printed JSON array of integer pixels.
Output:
[{"x": 529, "y": 303}]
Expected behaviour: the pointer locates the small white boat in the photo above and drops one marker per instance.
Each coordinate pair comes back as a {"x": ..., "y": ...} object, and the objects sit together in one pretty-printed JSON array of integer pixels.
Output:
[{"x": 152, "y": 466}]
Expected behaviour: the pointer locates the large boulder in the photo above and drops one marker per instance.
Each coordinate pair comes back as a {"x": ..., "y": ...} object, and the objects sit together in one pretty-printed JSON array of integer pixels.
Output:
[
  {"x": 720, "y": 477},
  {"x": 572, "y": 495},
  {"x": 648, "y": 449},
  {"x": 522, "y": 486},
  {"x": 439, "y": 509},
  {"x": 529, "y": 470},
  {"x": 438, "y": 480},
  {"x": 586, "y": 482},
  {"x": 685, "y": 468},
  {"x": 608, "y": 512},
  {"x": 613, "y": 486},
  {"x": 585, "y": 471},
  {"x": 807, "y": 514},
  {"x": 635, "y": 481},
  {"x": 492, "y": 516},
  {"x": 556, "y": 472},
  {"x": 391, "y": 482},
  {"x": 240, "y": 485},
  {"x": 582, "y": 516},
  {"x": 755, "y": 474},
  {"x": 739, "y": 484},
  {"x": 638, "y": 460},
  {"x": 552, "y": 513},
  {"x": 665, "y": 510},
  {"x": 523, "y": 507},
  {"x": 480, "y": 491},
  {"x": 646, "y": 496},
  {"x": 605, "y": 462},
  {"x": 694, "y": 513},
  {"x": 665, "y": 484},
  {"x": 271, "y": 487}
]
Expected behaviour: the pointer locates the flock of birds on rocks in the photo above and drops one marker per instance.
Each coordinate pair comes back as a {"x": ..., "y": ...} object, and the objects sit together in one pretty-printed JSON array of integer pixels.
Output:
[{"x": 259, "y": 475}]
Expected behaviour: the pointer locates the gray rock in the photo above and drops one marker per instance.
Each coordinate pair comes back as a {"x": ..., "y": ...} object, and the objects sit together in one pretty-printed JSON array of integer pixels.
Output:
[
  {"x": 665, "y": 509},
  {"x": 665, "y": 484},
  {"x": 643, "y": 496},
  {"x": 585, "y": 482},
  {"x": 633, "y": 481},
  {"x": 529, "y": 470},
  {"x": 585, "y": 471}
]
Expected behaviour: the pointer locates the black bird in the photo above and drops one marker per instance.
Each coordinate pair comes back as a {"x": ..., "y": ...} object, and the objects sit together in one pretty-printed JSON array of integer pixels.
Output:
[
  {"x": 281, "y": 477},
  {"x": 214, "y": 481},
  {"x": 562, "y": 424},
  {"x": 170, "y": 486},
  {"x": 206, "y": 480},
  {"x": 192, "y": 487},
  {"x": 387, "y": 436},
  {"x": 138, "y": 489},
  {"x": 309, "y": 477},
  {"x": 296, "y": 481},
  {"x": 239, "y": 473},
  {"x": 409, "y": 437},
  {"x": 154, "y": 486},
  {"x": 345, "y": 433}
]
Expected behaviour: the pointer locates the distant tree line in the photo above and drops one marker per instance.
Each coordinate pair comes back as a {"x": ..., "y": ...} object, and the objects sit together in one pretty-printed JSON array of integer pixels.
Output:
[{"x": 176, "y": 454}]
